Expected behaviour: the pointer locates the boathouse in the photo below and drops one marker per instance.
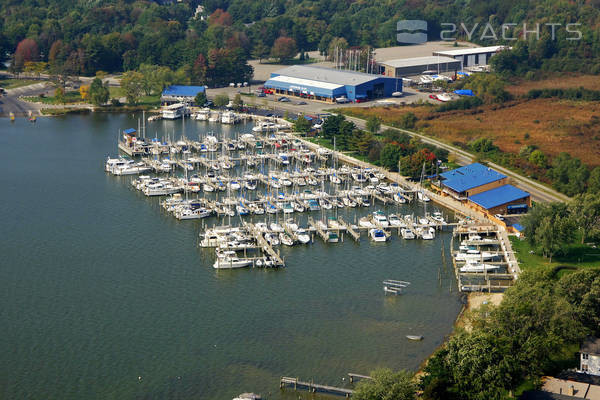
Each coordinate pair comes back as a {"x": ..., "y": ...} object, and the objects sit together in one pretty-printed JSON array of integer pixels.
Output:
[
  {"x": 418, "y": 65},
  {"x": 506, "y": 199},
  {"x": 464, "y": 182},
  {"x": 326, "y": 84},
  {"x": 180, "y": 94},
  {"x": 469, "y": 57}
]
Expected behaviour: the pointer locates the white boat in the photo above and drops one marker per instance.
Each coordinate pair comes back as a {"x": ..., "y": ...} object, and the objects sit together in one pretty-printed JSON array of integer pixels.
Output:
[
  {"x": 422, "y": 196},
  {"x": 229, "y": 117},
  {"x": 348, "y": 202},
  {"x": 359, "y": 177},
  {"x": 231, "y": 262},
  {"x": 131, "y": 169},
  {"x": 272, "y": 238},
  {"x": 174, "y": 111},
  {"x": 475, "y": 255},
  {"x": 478, "y": 267},
  {"x": 214, "y": 117},
  {"x": 265, "y": 127},
  {"x": 398, "y": 198},
  {"x": 428, "y": 233},
  {"x": 379, "y": 219},
  {"x": 333, "y": 178},
  {"x": 286, "y": 239},
  {"x": 287, "y": 208},
  {"x": 333, "y": 223},
  {"x": 234, "y": 185},
  {"x": 212, "y": 239},
  {"x": 188, "y": 213},
  {"x": 298, "y": 207},
  {"x": 303, "y": 236},
  {"x": 407, "y": 234},
  {"x": 207, "y": 187},
  {"x": 312, "y": 181},
  {"x": 365, "y": 222},
  {"x": 325, "y": 204},
  {"x": 241, "y": 210},
  {"x": 395, "y": 221},
  {"x": 203, "y": 114},
  {"x": 161, "y": 189},
  {"x": 438, "y": 217},
  {"x": 332, "y": 237},
  {"x": 275, "y": 227},
  {"x": 377, "y": 235},
  {"x": 250, "y": 184}
]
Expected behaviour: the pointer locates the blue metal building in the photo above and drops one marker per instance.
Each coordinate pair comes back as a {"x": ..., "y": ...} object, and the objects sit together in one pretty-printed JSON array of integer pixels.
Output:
[
  {"x": 471, "y": 179},
  {"x": 506, "y": 199},
  {"x": 327, "y": 84},
  {"x": 181, "y": 93}
]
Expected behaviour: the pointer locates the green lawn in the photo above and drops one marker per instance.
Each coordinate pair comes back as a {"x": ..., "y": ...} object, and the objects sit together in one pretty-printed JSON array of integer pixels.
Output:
[
  {"x": 116, "y": 92},
  {"x": 16, "y": 83},
  {"x": 577, "y": 255},
  {"x": 72, "y": 97}
]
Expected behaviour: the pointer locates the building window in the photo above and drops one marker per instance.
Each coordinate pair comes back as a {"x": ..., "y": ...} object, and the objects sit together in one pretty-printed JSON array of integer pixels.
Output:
[
  {"x": 585, "y": 356},
  {"x": 584, "y": 367}
]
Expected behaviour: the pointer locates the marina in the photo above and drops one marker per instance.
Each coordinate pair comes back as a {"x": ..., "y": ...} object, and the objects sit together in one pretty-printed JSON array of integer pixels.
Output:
[{"x": 126, "y": 285}]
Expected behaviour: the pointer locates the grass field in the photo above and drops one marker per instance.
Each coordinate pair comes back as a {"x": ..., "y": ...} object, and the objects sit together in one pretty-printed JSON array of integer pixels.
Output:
[
  {"x": 551, "y": 124},
  {"x": 16, "y": 83},
  {"x": 578, "y": 256},
  {"x": 73, "y": 97},
  {"x": 591, "y": 82}
]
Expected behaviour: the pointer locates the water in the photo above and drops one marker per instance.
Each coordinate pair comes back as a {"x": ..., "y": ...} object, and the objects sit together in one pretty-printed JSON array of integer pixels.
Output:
[{"x": 105, "y": 296}]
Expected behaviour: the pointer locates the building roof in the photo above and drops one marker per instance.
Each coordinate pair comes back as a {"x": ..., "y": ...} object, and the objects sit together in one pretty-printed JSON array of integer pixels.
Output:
[
  {"x": 304, "y": 82},
  {"x": 591, "y": 346},
  {"x": 469, "y": 177},
  {"x": 182, "y": 91},
  {"x": 473, "y": 50},
  {"x": 323, "y": 74},
  {"x": 418, "y": 61},
  {"x": 498, "y": 196}
]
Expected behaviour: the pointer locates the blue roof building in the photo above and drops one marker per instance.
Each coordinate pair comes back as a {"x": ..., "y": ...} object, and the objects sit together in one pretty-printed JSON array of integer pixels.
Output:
[
  {"x": 500, "y": 199},
  {"x": 181, "y": 93},
  {"x": 471, "y": 179},
  {"x": 328, "y": 84}
]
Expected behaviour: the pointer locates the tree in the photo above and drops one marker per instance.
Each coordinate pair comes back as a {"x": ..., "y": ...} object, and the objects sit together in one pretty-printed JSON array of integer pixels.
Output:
[
  {"x": 569, "y": 175},
  {"x": 221, "y": 100},
  {"x": 27, "y": 50},
  {"x": 331, "y": 126},
  {"x": 538, "y": 159},
  {"x": 84, "y": 92},
  {"x": 59, "y": 95},
  {"x": 408, "y": 120},
  {"x": 132, "y": 84},
  {"x": 260, "y": 51},
  {"x": 302, "y": 125},
  {"x": 284, "y": 48},
  {"x": 200, "y": 98},
  {"x": 373, "y": 124},
  {"x": 220, "y": 17},
  {"x": 238, "y": 103},
  {"x": 386, "y": 385},
  {"x": 552, "y": 235},
  {"x": 585, "y": 210},
  {"x": 98, "y": 92},
  {"x": 390, "y": 155},
  {"x": 483, "y": 145},
  {"x": 594, "y": 181}
]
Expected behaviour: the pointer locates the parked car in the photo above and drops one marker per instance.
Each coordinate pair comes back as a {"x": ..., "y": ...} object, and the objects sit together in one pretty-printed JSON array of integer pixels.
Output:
[
  {"x": 342, "y": 99},
  {"x": 284, "y": 99},
  {"x": 301, "y": 103},
  {"x": 261, "y": 94}
]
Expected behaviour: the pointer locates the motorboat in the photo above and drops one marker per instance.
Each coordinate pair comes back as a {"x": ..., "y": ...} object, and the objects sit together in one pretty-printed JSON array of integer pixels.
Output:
[
  {"x": 297, "y": 206},
  {"x": 359, "y": 177},
  {"x": 332, "y": 237},
  {"x": 423, "y": 197},
  {"x": 303, "y": 236},
  {"x": 348, "y": 202},
  {"x": 241, "y": 210},
  {"x": 313, "y": 205},
  {"x": 207, "y": 187},
  {"x": 365, "y": 222},
  {"x": 475, "y": 255},
  {"x": 407, "y": 234},
  {"x": 395, "y": 221},
  {"x": 286, "y": 239},
  {"x": 380, "y": 219},
  {"x": 438, "y": 217},
  {"x": 428, "y": 233},
  {"x": 478, "y": 267},
  {"x": 189, "y": 213},
  {"x": 287, "y": 208},
  {"x": 275, "y": 227},
  {"x": 325, "y": 204},
  {"x": 377, "y": 235},
  {"x": 231, "y": 262},
  {"x": 272, "y": 238},
  {"x": 333, "y": 178}
]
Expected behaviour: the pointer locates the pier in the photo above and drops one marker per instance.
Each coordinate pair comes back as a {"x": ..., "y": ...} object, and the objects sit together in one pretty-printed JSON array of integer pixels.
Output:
[{"x": 313, "y": 387}]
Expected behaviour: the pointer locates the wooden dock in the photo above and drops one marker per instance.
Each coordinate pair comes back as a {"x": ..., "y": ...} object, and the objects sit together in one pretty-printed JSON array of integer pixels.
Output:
[
  {"x": 353, "y": 377},
  {"x": 264, "y": 245},
  {"x": 314, "y": 387},
  {"x": 348, "y": 227}
]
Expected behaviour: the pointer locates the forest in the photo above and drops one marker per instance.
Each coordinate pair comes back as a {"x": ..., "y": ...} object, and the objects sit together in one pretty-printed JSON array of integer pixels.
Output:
[{"x": 212, "y": 43}]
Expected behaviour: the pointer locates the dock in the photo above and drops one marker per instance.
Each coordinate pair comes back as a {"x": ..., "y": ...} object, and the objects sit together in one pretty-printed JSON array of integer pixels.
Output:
[
  {"x": 353, "y": 377},
  {"x": 264, "y": 245},
  {"x": 314, "y": 387}
]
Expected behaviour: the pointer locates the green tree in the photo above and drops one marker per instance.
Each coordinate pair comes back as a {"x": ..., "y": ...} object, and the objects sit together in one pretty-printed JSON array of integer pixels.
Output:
[
  {"x": 221, "y": 100},
  {"x": 594, "y": 181},
  {"x": 569, "y": 175},
  {"x": 238, "y": 103},
  {"x": 260, "y": 51},
  {"x": 59, "y": 95},
  {"x": 538, "y": 159},
  {"x": 331, "y": 126},
  {"x": 302, "y": 124},
  {"x": 408, "y": 120},
  {"x": 483, "y": 145},
  {"x": 386, "y": 385},
  {"x": 98, "y": 92},
  {"x": 373, "y": 124},
  {"x": 132, "y": 85},
  {"x": 200, "y": 98},
  {"x": 585, "y": 210},
  {"x": 390, "y": 155}
]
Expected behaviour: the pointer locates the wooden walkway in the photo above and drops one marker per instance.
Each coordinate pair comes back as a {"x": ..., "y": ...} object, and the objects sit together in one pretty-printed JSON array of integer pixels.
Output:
[{"x": 313, "y": 387}]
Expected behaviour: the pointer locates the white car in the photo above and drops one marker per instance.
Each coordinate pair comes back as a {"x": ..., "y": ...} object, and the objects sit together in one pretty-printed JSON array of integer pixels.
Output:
[{"x": 342, "y": 100}]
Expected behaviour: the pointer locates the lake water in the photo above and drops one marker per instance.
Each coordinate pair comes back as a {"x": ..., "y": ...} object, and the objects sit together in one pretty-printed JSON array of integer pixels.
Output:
[{"x": 105, "y": 296}]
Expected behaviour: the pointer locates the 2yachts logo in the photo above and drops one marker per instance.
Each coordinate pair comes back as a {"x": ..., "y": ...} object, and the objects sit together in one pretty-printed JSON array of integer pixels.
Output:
[
  {"x": 411, "y": 31},
  {"x": 414, "y": 31}
]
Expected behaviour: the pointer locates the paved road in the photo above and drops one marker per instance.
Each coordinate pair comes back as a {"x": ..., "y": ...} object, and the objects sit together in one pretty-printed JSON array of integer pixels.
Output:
[{"x": 11, "y": 103}]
